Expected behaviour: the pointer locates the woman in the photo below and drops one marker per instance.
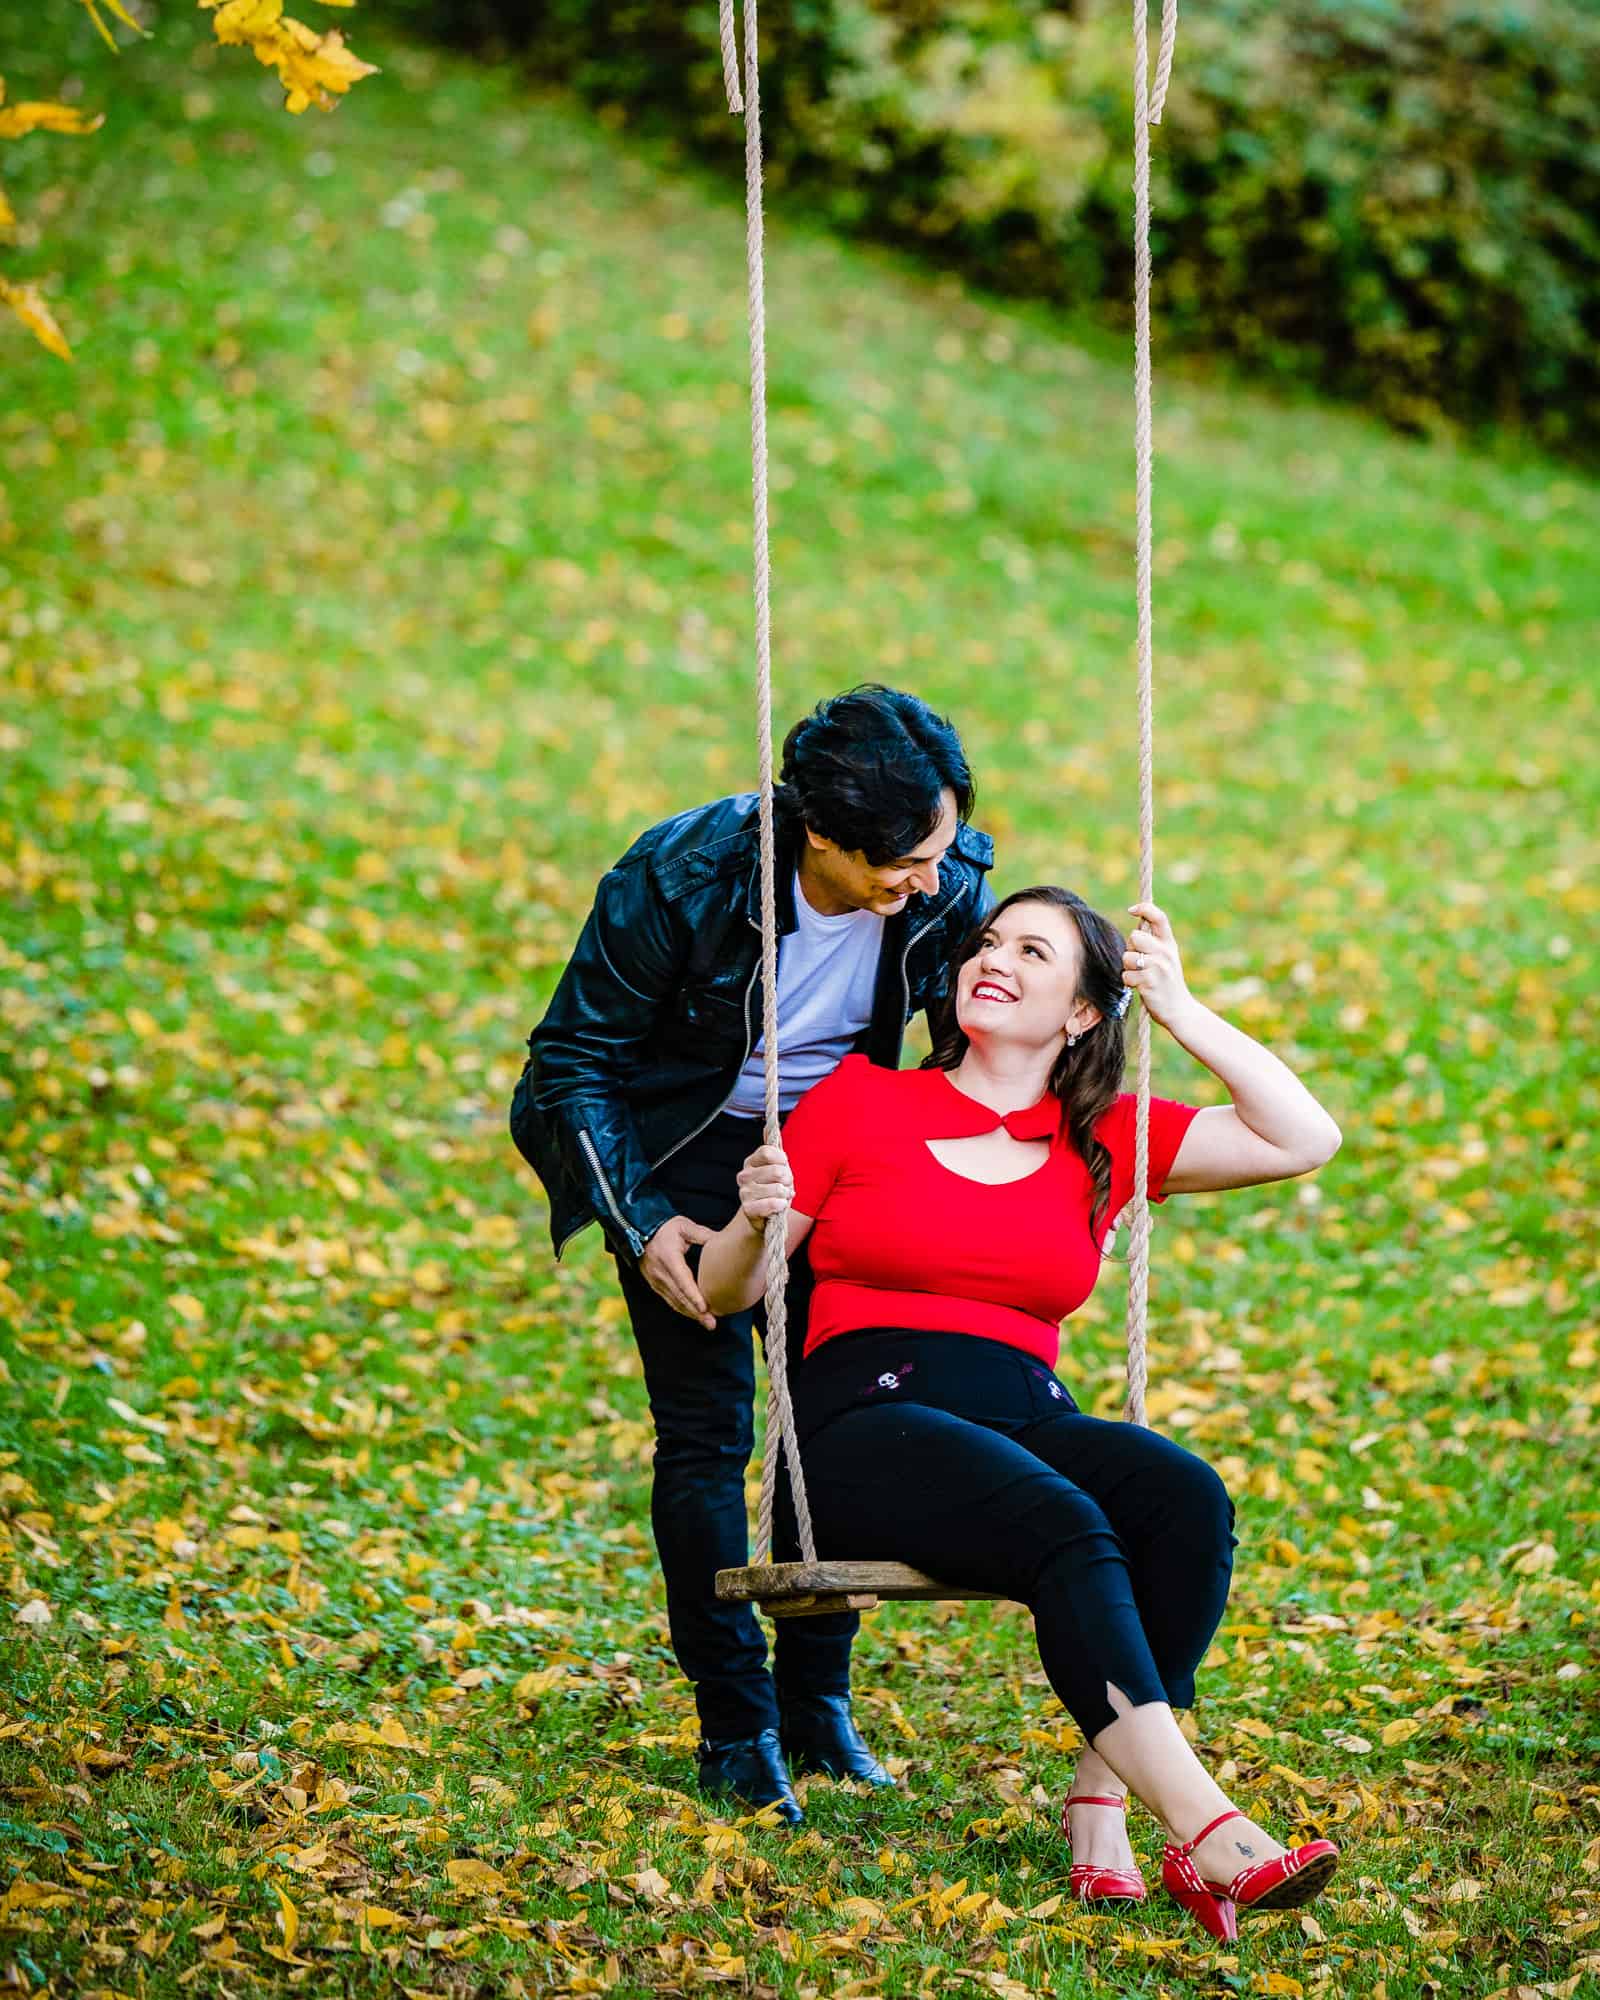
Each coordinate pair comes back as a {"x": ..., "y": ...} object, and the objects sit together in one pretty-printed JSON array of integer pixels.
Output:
[{"x": 956, "y": 1214}]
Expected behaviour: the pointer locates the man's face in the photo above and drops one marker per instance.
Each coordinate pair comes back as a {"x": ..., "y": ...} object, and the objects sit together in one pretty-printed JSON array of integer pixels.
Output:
[{"x": 886, "y": 888}]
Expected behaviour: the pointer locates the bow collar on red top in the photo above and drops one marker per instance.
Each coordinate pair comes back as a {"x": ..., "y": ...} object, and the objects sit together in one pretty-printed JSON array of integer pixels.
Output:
[{"x": 1036, "y": 1121}]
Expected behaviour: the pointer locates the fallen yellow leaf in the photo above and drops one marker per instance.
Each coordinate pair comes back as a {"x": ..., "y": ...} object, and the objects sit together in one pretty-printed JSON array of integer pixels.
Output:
[
  {"x": 375, "y": 1918},
  {"x": 1465, "y": 1889},
  {"x": 477, "y": 1878}
]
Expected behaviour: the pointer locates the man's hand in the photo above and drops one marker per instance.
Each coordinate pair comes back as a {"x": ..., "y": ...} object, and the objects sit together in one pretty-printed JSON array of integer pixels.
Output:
[{"x": 668, "y": 1274}]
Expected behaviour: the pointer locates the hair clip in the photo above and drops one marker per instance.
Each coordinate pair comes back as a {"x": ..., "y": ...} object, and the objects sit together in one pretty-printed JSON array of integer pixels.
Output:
[{"x": 1120, "y": 1006}]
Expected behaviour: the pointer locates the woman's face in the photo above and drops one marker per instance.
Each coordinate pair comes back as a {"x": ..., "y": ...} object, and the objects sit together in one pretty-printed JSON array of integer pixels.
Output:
[{"x": 1021, "y": 984}]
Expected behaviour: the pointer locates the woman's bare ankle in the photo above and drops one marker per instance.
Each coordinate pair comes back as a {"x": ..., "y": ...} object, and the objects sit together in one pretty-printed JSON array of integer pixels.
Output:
[
  {"x": 1099, "y": 1834},
  {"x": 1238, "y": 1843}
]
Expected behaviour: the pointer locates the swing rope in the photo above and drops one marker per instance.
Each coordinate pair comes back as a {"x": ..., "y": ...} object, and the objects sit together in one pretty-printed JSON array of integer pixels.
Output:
[
  {"x": 1147, "y": 109},
  {"x": 780, "y": 1409},
  {"x": 1149, "y": 101}
]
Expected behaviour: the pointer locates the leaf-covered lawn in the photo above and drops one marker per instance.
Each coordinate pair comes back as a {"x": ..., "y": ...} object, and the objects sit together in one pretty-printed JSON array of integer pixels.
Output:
[{"x": 380, "y": 570}]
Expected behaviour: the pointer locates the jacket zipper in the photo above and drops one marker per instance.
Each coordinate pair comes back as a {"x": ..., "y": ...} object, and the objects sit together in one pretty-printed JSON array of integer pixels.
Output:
[
  {"x": 630, "y": 1234},
  {"x": 588, "y": 1147},
  {"x": 717, "y": 1111},
  {"x": 905, "y": 980}
]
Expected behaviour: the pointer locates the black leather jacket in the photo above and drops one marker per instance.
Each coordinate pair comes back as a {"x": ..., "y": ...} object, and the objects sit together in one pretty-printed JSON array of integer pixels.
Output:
[{"x": 660, "y": 1004}]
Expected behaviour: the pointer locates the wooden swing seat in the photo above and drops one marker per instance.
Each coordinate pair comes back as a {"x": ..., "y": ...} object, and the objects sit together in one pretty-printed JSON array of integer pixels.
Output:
[{"x": 812, "y": 1589}]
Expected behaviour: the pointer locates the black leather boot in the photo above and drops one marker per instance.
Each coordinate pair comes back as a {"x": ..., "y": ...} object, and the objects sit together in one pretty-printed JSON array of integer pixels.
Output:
[
  {"x": 749, "y": 1768},
  {"x": 819, "y": 1734}
]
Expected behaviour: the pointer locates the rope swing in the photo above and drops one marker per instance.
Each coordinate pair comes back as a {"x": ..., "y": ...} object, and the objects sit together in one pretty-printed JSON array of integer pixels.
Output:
[
  {"x": 810, "y": 1587},
  {"x": 1148, "y": 106}
]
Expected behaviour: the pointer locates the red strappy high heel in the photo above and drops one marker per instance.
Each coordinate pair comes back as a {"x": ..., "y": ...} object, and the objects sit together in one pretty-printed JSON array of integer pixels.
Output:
[
  {"x": 1091, "y": 1884},
  {"x": 1282, "y": 1883}
]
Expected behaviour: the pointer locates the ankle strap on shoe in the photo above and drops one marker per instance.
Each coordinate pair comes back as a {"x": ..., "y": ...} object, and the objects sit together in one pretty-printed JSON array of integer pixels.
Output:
[
  {"x": 1084, "y": 1799},
  {"x": 1188, "y": 1846}
]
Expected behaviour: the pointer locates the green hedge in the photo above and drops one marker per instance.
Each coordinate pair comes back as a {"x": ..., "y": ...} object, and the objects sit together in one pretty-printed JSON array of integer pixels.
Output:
[{"x": 1395, "y": 199}]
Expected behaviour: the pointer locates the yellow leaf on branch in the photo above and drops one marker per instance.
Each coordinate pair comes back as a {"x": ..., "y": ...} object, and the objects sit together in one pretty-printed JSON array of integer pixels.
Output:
[
  {"x": 118, "y": 12},
  {"x": 18, "y": 119},
  {"x": 28, "y": 304},
  {"x": 313, "y": 68},
  {"x": 243, "y": 20},
  {"x": 316, "y": 68}
]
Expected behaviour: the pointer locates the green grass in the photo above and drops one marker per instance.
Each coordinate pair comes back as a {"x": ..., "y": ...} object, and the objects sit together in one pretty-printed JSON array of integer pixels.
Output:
[{"x": 378, "y": 572}]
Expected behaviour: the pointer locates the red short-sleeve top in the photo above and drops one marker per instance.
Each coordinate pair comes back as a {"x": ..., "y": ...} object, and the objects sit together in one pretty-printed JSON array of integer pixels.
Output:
[{"x": 902, "y": 1240}]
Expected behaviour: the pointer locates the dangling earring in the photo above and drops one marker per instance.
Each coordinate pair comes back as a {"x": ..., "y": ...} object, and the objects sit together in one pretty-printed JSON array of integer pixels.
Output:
[{"x": 1073, "y": 1041}]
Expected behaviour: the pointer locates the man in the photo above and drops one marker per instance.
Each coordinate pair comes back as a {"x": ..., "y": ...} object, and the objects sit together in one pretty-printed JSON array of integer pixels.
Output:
[{"x": 642, "y": 1096}]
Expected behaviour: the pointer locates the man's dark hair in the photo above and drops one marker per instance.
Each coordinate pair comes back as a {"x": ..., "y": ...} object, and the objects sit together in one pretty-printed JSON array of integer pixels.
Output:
[{"x": 866, "y": 770}]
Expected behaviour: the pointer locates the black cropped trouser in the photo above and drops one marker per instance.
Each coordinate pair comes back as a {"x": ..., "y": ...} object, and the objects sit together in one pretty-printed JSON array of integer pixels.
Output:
[
  {"x": 967, "y": 1459},
  {"x": 701, "y": 1385}
]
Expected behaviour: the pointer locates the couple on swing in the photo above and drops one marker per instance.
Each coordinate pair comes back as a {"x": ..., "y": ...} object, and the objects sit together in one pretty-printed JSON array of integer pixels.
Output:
[{"x": 943, "y": 1221}]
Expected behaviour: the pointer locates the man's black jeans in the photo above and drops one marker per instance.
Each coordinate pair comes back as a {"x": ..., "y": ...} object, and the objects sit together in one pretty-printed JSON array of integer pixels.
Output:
[{"x": 701, "y": 1385}]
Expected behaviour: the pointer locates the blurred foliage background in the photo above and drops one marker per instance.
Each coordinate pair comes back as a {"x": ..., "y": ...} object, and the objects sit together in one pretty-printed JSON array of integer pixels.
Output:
[{"x": 1396, "y": 200}]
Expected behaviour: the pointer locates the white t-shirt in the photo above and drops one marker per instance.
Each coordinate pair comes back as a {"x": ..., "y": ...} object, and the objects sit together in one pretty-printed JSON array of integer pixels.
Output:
[{"x": 827, "y": 970}]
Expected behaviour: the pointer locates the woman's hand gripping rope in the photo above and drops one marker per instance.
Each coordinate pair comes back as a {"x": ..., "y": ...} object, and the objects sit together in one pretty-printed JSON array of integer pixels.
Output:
[{"x": 766, "y": 1186}]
